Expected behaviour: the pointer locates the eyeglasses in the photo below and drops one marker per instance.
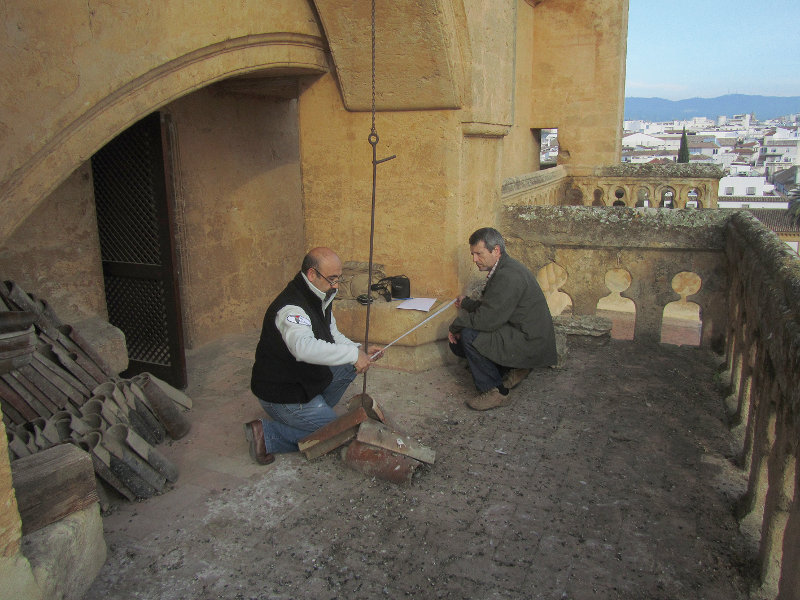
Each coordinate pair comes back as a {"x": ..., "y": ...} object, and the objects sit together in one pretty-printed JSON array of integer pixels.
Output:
[{"x": 334, "y": 281}]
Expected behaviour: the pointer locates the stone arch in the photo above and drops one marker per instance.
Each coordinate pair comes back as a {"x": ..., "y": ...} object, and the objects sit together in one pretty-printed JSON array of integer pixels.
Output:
[
  {"x": 552, "y": 278},
  {"x": 621, "y": 311},
  {"x": 666, "y": 197},
  {"x": 78, "y": 85},
  {"x": 102, "y": 121},
  {"x": 694, "y": 198},
  {"x": 681, "y": 322}
]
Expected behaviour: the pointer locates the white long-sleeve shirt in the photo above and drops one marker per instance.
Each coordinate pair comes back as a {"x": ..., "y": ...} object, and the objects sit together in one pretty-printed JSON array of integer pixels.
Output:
[{"x": 294, "y": 325}]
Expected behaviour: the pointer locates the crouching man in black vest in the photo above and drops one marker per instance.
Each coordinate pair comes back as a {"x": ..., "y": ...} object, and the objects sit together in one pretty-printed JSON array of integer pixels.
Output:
[{"x": 303, "y": 362}]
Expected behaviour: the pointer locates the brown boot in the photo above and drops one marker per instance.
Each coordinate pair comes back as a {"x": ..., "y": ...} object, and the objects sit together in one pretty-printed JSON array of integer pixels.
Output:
[
  {"x": 514, "y": 377},
  {"x": 489, "y": 399},
  {"x": 254, "y": 434}
]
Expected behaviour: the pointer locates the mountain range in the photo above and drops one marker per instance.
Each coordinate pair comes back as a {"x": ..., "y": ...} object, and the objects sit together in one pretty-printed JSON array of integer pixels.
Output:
[{"x": 659, "y": 109}]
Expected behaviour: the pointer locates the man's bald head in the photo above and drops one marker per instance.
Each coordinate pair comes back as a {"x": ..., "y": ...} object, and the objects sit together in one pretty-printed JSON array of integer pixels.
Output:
[{"x": 321, "y": 258}]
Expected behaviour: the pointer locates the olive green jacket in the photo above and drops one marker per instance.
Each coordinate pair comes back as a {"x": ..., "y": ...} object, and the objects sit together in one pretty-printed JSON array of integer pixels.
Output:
[{"x": 516, "y": 329}]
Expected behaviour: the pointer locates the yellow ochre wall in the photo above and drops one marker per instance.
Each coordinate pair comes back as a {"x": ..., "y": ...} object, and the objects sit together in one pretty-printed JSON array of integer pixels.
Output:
[
  {"x": 259, "y": 180},
  {"x": 262, "y": 173}
]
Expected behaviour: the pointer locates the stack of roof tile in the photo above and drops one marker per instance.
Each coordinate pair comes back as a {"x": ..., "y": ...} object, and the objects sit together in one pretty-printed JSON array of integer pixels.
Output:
[{"x": 56, "y": 389}]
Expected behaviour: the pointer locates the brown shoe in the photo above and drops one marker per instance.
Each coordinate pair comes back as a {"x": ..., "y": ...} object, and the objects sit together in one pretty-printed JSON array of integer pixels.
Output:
[
  {"x": 254, "y": 434},
  {"x": 514, "y": 377},
  {"x": 490, "y": 399}
]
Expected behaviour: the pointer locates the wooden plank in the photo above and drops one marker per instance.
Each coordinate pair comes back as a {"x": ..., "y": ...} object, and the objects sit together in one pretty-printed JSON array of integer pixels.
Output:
[
  {"x": 377, "y": 434},
  {"x": 332, "y": 429},
  {"x": 52, "y": 484},
  {"x": 331, "y": 443}
]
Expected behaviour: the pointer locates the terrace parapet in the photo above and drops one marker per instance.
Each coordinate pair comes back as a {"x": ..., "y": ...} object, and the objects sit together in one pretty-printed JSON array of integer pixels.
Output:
[
  {"x": 749, "y": 301},
  {"x": 579, "y": 246},
  {"x": 542, "y": 188},
  {"x": 763, "y": 372}
]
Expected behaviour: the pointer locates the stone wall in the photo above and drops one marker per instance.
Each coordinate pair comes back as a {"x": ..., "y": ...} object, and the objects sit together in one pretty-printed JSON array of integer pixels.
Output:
[
  {"x": 763, "y": 370},
  {"x": 16, "y": 575},
  {"x": 55, "y": 253},
  {"x": 578, "y": 82},
  {"x": 239, "y": 206}
]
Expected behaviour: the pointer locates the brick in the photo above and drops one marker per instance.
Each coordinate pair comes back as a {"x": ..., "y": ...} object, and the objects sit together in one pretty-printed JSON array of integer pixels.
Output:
[
  {"x": 380, "y": 462},
  {"x": 334, "y": 434}
]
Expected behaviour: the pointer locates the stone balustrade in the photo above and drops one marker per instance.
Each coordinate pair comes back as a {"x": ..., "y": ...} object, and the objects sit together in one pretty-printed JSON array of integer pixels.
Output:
[
  {"x": 541, "y": 188},
  {"x": 763, "y": 371},
  {"x": 634, "y": 185}
]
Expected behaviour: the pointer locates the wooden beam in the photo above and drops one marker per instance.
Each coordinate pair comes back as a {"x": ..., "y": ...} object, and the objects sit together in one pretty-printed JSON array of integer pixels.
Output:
[
  {"x": 52, "y": 484},
  {"x": 334, "y": 434}
]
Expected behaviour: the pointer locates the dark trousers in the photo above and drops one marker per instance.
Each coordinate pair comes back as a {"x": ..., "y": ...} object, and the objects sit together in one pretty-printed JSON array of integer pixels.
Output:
[{"x": 485, "y": 373}]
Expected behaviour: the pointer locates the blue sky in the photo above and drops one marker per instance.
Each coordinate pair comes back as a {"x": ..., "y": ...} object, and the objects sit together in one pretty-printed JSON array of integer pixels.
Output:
[{"x": 681, "y": 49}]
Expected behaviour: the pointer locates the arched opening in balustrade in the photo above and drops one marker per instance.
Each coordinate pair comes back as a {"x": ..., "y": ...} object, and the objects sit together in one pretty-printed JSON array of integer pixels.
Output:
[
  {"x": 681, "y": 322},
  {"x": 621, "y": 311},
  {"x": 552, "y": 278},
  {"x": 667, "y": 198},
  {"x": 642, "y": 197},
  {"x": 694, "y": 198},
  {"x": 598, "y": 198}
]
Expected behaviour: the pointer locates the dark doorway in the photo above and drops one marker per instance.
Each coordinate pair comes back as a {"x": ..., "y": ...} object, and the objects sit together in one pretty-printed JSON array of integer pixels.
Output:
[{"x": 133, "y": 194}]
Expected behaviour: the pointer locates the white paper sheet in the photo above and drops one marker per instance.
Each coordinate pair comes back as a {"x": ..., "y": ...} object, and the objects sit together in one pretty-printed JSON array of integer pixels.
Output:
[{"x": 423, "y": 304}]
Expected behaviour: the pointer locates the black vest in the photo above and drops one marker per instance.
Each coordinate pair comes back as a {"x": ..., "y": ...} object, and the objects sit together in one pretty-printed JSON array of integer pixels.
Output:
[{"x": 277, "y": 375}]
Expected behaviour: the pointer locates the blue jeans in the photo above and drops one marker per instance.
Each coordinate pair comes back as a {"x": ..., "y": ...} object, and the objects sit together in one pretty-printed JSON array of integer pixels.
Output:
[
  {"x": 292, "y": 422},
  {"x": 485, "y": 373}
]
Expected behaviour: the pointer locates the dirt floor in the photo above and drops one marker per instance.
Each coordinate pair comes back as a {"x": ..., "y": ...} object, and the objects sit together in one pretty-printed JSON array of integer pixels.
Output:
[{"x": 610, "y": 478}]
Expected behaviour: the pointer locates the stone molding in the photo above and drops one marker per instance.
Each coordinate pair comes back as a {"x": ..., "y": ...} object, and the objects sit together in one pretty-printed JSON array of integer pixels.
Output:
[
  {"x": 484, "y": 130},
  {"x": 528, "y": 181}
]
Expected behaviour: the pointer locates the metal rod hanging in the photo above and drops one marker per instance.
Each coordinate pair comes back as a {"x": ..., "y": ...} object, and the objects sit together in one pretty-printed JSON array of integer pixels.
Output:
[{"x": 373, "y": 139}]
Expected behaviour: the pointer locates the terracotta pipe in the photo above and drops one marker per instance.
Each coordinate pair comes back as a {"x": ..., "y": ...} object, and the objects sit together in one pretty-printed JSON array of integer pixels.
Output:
[
  {"x": 115, "y": 439},
  {"x": 77, "y": 338},
  {"x": 163, "y": 407},
  {"x": 32, "y": 395},
  {"x": 59, "y": 378},
  {"x": 17, "y": 402},
  {"x": 97, "y": 406},
  {"x": 152, "y": 456},
  {"x": 53, "y": 397},
  {"x": 47, "y": 356},
  {"x": 136, "y": 400},
  {"x": 16, "y": 320},
  {"x": 112, "y": 471},
  {"x": 16, "y": 445},
  {"x": 68, "y": 361}
]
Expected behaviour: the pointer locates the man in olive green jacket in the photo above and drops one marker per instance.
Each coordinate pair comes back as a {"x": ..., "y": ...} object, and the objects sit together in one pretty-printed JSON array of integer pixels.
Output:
[{"x": 508, "y": 331}]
